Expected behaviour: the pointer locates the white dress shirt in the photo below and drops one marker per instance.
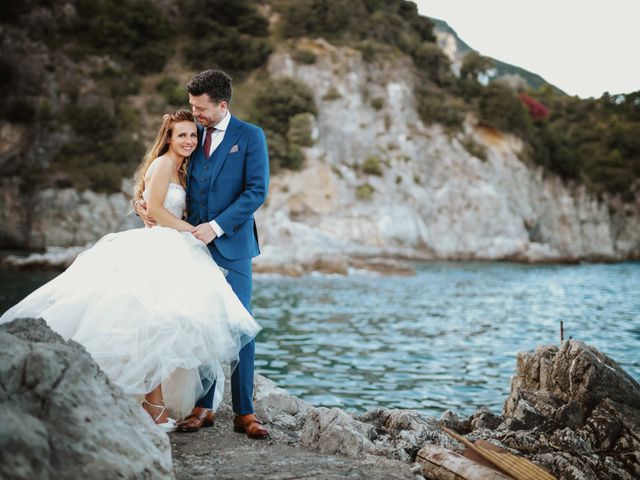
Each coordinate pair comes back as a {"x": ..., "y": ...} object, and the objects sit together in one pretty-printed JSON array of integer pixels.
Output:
[{"x": 216, "y": 139}]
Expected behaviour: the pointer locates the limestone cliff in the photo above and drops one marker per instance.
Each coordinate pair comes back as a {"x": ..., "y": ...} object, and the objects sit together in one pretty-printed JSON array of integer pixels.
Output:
[
  {"x": 432, "y": 198},
  {"x": 377, "y": 183}
]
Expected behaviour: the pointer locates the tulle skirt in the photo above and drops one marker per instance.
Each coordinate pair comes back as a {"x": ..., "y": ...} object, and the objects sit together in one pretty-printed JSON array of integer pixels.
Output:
[{"x": 151, "y": 307}]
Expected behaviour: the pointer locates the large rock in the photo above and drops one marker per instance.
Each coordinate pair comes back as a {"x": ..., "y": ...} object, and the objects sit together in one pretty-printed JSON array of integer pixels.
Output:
[
  {"x": 573, "y": 410},
  {"x": 573, "y": 375},
  {"x": 61, "y": 417}
]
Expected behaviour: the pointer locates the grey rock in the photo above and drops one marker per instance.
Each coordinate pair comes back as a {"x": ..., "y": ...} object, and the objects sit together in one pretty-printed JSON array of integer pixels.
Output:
[
  {"x": 401, "y": 433},
  {"x": 573, "y": 372},
  {"x": 451, "y": 420},
  {"x": 331, "y": 430},
  {"x": 485, "y": 418},
  {"x": 61, "y": 417},
  {"x": 570, "y": 414},
  {"x": 276, "y": 406},
  {"x": 575, "y": 411},
  {"x": 525, "y": 417}
]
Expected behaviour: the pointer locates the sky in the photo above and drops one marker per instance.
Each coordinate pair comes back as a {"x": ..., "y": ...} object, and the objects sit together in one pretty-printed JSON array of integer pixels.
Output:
[{"x": 583, "y": 47}]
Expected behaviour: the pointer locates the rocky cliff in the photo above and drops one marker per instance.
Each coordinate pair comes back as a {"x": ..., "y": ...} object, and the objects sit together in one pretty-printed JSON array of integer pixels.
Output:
[{"x": 376, "y": 183}]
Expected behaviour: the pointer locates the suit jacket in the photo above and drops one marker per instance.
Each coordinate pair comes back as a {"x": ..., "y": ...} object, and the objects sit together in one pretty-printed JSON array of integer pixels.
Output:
[{"x": 238, "y": 186}]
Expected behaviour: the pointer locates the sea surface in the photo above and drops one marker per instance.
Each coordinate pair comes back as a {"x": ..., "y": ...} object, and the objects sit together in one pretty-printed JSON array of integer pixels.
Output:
[{"x": 444, "y": 339}]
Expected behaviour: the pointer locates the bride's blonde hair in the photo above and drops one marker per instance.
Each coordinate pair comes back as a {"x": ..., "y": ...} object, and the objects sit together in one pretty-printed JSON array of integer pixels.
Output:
[{"x": 160, "y": 147}]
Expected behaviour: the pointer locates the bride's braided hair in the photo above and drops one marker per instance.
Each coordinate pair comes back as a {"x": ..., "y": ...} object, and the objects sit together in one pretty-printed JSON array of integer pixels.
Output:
[{"x": 160, "y": 147}]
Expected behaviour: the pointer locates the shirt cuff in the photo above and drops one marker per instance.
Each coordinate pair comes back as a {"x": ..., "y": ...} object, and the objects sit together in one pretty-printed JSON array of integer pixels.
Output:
[{"x": 216, "y": 228}]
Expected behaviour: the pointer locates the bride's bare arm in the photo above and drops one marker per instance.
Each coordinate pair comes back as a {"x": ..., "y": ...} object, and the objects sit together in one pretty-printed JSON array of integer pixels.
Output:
[{"x": 157, "y": 187}]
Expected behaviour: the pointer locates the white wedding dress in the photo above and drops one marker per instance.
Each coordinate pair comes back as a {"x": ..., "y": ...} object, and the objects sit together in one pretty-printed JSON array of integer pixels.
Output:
[{"x": 151, "y": 307}]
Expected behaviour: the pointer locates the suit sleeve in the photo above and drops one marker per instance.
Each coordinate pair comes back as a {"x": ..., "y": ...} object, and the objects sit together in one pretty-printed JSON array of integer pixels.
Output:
[{"x": 256, "y": 185}]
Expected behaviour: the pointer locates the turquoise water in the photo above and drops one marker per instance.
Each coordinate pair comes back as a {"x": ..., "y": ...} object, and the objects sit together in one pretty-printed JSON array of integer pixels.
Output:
[{"x": 444, "y": 339}]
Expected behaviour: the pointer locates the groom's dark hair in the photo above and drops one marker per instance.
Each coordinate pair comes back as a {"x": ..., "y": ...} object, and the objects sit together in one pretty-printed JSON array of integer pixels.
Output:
[{"x": 215, "y": 83}]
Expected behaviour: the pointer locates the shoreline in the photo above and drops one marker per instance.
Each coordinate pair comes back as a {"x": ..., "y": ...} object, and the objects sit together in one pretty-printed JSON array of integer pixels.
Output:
[
  {"x": 586, "y": 431},
  {"x": 59, "y": 258}
]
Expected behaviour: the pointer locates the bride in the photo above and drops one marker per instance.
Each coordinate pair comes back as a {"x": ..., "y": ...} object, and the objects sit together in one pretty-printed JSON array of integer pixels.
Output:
[{"x": 150, "y": 305}]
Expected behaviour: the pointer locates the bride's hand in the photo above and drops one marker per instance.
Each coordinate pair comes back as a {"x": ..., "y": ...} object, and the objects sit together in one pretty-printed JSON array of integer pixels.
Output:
[
  {"x": 141, "y": 210},
  {"x": 204, "y": 232}
]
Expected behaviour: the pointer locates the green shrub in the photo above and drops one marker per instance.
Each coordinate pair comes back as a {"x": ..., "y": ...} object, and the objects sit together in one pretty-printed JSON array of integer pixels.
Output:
[
  {"x": 433, "y": 63},
  {"x": 277, "y": 100},
  {"x": 118, "y": 83},
  {"x": 299, "y": 132},
  {"x": 372, "y": 166},
  {"x": 173, "y": 93},
  {"x": 394, "y": 23},
  {"x": 136, "y": 31},
  {"x": 93, "y": 122},
  {"x": 438, "y": 107},
  {"x": 104, "y": 177},
  {"x": 364, "y": 191},
  {"x": 473, "y": 65},
  {"x": 327, "y": 18},
  {"x": 377, "y": 103},
  {"x": 369, "y": 50},
  {"x": 501, "y": 109},
  {"x": 304, "y": 56},
  {"x": 294, "y": 158},
  {"x": 474, "y": 148},
  {"x": 19, "y": 110},
  {"x": 283, "y": 107},
  {"x": 102, "y": 150},
  {"x": 7, "y": 74},
  {"x": 332, "y": 94},
  {"x": 232, "y": 36},
  {"x": 283, "y": 154}
]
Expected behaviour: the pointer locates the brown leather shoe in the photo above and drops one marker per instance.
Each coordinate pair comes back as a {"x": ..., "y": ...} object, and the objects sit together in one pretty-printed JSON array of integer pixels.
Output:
[
  {"x": 200, "y": 417},
  {"x": 250, "y": 425}
]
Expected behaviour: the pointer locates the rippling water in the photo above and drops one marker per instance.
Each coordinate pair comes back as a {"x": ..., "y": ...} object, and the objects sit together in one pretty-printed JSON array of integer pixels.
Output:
[{"x": 444, "y": 339}]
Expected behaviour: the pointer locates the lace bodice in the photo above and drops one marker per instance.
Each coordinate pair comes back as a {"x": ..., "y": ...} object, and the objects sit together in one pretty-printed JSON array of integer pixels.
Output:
[{"x": 175, "y": 201}]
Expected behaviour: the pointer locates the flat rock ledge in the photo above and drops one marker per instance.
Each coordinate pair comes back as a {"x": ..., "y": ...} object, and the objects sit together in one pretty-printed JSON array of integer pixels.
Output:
[{"x": 571, "y": 410}]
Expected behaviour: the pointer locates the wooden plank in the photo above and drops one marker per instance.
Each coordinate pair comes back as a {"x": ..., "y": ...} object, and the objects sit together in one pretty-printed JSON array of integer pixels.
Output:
[
  {"x": 440, "y": 463},
  {"x": 517, "y": 467},
  {"x": 471, "y": 454}
]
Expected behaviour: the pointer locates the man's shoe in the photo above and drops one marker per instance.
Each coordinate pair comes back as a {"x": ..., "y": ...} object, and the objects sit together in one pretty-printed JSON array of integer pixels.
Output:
[
  {"x": 250, "y": 425},
  {"x": 200, "y": 417}
]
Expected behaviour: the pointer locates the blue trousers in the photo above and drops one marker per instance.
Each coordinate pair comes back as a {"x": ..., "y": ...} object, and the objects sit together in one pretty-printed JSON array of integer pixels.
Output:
[{"x": 241, "y": 282}]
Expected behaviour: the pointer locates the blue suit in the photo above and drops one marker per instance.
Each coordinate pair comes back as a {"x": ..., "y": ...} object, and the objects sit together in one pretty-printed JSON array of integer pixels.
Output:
[{"x": 228, "y": 187}]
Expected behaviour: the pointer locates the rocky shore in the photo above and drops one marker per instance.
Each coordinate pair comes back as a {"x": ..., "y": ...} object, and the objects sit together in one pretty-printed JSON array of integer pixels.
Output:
[{"x": 571, "y": 410}]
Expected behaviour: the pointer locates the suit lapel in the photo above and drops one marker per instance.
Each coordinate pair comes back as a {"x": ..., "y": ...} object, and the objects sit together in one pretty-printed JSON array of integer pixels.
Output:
[{"x": 222, "y": 152}]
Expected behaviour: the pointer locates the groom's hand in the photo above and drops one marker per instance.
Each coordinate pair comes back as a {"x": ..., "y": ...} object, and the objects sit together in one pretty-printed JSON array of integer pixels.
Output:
[
  {"x": 141, "y": 210},
  {"x": 204, "y": 232}
]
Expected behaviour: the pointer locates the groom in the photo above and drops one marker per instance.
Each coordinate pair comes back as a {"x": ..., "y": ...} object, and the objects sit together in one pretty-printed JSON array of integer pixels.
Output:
[{"x": 227, "y": 180}]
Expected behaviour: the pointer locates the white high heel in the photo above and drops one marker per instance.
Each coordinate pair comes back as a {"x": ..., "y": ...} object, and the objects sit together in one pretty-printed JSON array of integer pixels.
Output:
[{"x": 168, "y": 426}]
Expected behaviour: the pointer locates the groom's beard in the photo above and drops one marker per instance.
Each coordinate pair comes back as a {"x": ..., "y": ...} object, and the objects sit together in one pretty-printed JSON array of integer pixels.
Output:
[{"x": 205, "y": 122}]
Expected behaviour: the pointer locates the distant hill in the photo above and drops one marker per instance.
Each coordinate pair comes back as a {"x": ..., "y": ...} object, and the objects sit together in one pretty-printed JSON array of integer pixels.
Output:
[{"x": 456, "y": 49}]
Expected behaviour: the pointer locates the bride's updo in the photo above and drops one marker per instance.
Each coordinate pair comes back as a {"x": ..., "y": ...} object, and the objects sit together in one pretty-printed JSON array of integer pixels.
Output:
[{"x": 160, "y": 147}]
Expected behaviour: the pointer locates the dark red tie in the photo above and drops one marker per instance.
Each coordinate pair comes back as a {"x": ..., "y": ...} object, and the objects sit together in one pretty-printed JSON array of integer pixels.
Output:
[{"x": 208, "y": 133}]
